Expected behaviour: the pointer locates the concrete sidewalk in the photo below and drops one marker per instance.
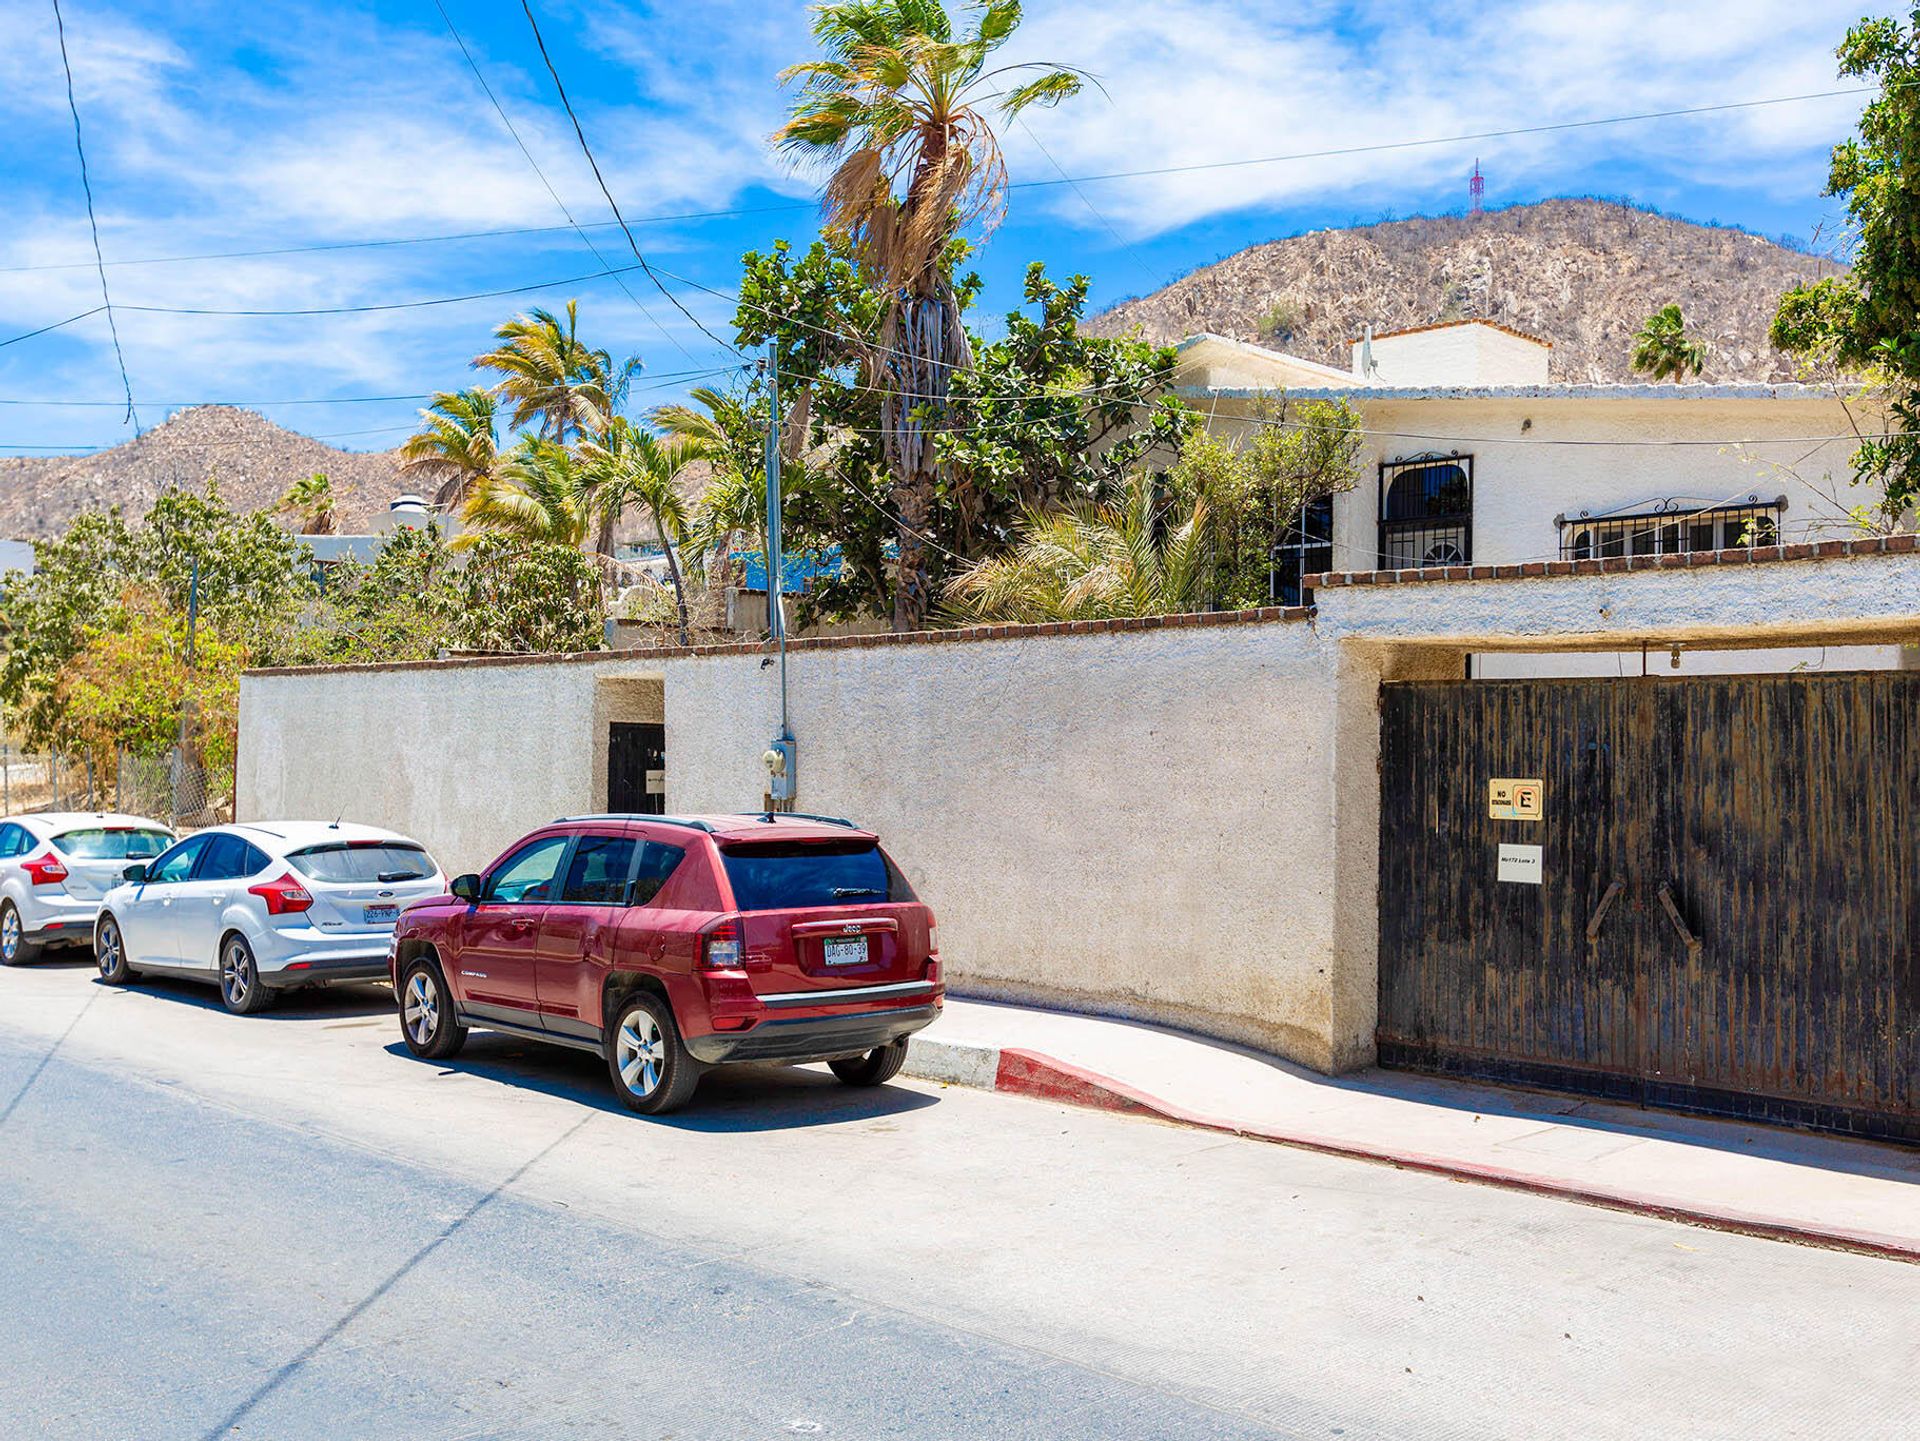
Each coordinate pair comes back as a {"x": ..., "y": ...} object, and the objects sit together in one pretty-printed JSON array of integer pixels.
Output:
[{"x": 1790, "y": 1185}]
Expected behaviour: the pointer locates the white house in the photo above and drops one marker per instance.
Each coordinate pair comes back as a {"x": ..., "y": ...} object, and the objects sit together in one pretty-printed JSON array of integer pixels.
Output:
[{"x": 1473, "y": 457}]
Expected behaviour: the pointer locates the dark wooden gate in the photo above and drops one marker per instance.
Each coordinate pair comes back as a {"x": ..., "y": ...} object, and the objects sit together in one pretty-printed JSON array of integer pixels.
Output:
[
  {"x": 636, "y": 768},
  {"x": 1728, "y": 909}
]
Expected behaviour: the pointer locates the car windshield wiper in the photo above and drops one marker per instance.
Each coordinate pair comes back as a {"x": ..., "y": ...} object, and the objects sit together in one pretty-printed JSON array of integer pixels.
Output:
[
  {"x": 386, "y": 876},
  {"x": 839, "y": 891}
]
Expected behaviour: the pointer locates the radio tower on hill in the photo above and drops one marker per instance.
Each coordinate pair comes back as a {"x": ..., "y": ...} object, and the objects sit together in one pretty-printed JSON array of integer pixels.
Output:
[{"x": 1476, "y": 189}]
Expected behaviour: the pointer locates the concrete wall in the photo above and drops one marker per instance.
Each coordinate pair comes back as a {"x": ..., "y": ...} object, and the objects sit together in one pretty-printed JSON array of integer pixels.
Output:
[
  {"x": 1171, "y": 821},
  {"x": 1469, "y": 353}
]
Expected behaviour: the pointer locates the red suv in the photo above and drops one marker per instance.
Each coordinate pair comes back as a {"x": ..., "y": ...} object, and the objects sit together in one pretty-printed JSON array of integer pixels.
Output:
[{"x": 673, "y": 943}]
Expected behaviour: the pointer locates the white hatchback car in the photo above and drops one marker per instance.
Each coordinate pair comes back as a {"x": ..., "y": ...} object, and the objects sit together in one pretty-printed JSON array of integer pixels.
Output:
[
  {"x": 261, "y": 908},
  {"x": 54, "y": 868}
]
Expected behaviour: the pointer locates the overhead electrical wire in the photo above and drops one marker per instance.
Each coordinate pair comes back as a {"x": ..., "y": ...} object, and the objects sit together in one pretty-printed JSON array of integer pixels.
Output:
[
  {"x": 28, "y": 335},
  {"x": 601, "y": 180},
  {"x": 587, "y": 240},
  {"x": 93, "y": 224}
]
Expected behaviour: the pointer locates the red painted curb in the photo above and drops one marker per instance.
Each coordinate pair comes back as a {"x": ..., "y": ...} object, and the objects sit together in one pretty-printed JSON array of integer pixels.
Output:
[{"x": 1042, "y": 1077}]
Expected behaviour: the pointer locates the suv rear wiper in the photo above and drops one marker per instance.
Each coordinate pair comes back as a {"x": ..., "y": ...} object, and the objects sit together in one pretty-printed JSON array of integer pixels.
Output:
[{"x": 839, "y": 891}]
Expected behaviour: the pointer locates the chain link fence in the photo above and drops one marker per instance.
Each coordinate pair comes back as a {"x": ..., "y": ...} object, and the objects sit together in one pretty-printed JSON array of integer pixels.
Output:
[{"x": 171, "y": 787}]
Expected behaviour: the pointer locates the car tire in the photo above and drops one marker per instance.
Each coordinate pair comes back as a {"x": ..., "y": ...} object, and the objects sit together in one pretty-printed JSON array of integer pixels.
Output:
[
  {"x": 875, "y": 1068},
  {"x": 15, "y": 948},
  {"x": 428, "y": 1023},
  {"x": 241, "y": 989},
  {"x": 110, "y": 953},
  {"x": 653, "y": 1073}
]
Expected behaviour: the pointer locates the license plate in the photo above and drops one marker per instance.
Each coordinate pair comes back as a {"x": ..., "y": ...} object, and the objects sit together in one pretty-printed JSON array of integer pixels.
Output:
[
  {"x": 847, "y": 953},
  {"x": 380, "y": 913}
]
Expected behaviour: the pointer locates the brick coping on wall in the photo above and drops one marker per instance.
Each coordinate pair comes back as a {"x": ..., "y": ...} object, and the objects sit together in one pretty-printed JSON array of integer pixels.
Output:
[
  {"x": 1615, "y": 565},
  {"x": 1264, "y": 615}
]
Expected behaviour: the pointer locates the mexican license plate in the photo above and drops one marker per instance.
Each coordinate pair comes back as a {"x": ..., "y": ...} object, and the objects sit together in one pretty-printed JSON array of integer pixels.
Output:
[
  {"x": 847, "y": 953},
  {"x": 373, "y": 914}
]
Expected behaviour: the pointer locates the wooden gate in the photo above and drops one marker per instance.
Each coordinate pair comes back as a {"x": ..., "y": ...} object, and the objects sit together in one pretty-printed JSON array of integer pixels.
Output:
[
  {"x": 1724, "y": 911},
  {"x": 636, "y": 768}
]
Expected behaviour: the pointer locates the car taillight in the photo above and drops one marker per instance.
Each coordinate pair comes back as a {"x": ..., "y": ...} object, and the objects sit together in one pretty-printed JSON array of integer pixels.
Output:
[
  {"x": 723, "y": 947},
  {"x": 283, "y": 897},
  {"x": 933, "y": 934},
  {"x": 44, "y": 870}
]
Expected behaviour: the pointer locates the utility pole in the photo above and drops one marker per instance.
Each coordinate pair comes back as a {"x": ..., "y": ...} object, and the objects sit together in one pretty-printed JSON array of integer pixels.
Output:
[
  {"x": 782, "y": 757},
  {"x": 186, "y": 696}
]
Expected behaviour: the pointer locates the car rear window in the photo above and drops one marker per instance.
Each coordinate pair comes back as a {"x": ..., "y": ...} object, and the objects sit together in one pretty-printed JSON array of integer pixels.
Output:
[
  {"x": 783, "y": 875},
  {"x": 113, "y": 843},
  {"x": 350, "y": 861}
]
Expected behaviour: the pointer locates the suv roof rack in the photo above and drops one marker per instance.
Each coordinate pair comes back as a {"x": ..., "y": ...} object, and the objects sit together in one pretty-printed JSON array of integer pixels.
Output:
[
  {"x": 636, "y": 816},
  {"x": 802, "y": 816}
]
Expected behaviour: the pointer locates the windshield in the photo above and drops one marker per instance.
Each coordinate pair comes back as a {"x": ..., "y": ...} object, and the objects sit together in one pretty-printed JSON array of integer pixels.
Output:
[
  {"x": 113, "y": 843},
  {"x": 350, "y": 861},
  {"x": 786, "y": 875}
]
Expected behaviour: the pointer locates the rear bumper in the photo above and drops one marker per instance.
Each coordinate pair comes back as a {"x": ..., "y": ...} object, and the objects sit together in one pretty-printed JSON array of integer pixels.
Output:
[
  {"x": 326, "y": 968},
  {"x": 54, "y": 920},
  {"x": 811, "y": 1038}
]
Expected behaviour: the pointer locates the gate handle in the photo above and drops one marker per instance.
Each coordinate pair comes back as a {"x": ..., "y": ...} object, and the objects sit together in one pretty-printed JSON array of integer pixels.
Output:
[
  {"x": 1679, "y": 922},
  {"x": 1600, "y": 911}
]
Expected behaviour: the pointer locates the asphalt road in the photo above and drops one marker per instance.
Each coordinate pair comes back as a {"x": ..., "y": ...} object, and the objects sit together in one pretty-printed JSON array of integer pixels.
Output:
[{"x": 284, "y": 1227}]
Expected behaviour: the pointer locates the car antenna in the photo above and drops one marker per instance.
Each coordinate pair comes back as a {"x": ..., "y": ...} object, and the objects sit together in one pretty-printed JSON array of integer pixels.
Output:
[{"x": 336, "y": 822}]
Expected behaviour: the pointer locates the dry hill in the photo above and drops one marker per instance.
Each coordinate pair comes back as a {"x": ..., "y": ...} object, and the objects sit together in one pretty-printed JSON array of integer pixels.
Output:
[
  {"x": 1583, "y": 274},
  {"x": 253, "y": 459}
]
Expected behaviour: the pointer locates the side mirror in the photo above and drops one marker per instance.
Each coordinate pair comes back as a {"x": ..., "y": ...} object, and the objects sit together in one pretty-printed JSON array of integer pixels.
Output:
[
  {"x": 466, "y": 888},
  {"x": 134, "y": 873}
]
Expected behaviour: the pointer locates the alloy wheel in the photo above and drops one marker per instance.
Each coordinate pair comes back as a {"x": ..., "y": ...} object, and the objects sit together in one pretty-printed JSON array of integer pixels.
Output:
[
  {"x": 9, "y": 935},
  {"x": 641, "y": 1053},
  {"x": 422, "y": 1013},
  {"x": 109, "y": 950},
  {"x": 236, "y": 973}
]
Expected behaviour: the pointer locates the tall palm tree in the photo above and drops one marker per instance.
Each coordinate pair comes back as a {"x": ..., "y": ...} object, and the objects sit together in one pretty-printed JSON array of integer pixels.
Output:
[
  {"x": 632, "y": 468},
  {"x": 311, "y": 498},
  {"x": 457, "y": 444},
  {"x": 898, "y": 106},
  {"x": 1662, "y": 349},
  {"x": 1130, "y": 558},
  {"x": 533, "y": 493},
  {"x": 551, "y": 375}
]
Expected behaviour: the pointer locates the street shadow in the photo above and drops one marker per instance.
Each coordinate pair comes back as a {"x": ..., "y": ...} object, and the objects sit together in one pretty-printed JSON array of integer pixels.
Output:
[
  {"x": 1850, "y": 1155},
  {"x": 731, "y": 1099},
  {"x": 353, "y": 1003}
]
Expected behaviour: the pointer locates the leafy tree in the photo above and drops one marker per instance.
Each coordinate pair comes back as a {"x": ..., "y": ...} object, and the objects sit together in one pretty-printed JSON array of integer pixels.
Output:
[
  {"x": 457, "y": 446},
  {"x": 551, "y": 375},
  {"x": 1868, "y": 319},
  {"x": 727, "y": 430},
  {"x": 311, "y": 498},
  {"x": 1256, "y": 491},
  {"x": 534, "y": 493},
  {"x": 1135, "y": 556},
  {"x": 526, "y": 596},
  {"x": 899, "y": 105},
  {"x": 401, "y": 606},
  {"x": 630, "y": 468},
  {"x": 1662, "y": 349}
]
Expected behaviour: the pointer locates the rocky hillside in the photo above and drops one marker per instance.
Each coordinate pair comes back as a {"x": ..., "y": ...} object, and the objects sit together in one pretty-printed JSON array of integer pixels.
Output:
[
  {"x": 253, "y": 459},
  {"x": 1583, "y": 274}
]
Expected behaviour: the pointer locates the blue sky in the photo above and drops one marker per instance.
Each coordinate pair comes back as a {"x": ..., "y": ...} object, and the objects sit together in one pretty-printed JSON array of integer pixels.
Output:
[{"x": 281, "y": 124}]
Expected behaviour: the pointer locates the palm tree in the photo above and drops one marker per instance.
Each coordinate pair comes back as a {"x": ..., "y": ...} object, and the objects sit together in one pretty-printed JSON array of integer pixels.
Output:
[
  {"x": 1662, "y": 350},
  {"x": 312, "y": 500},
  {"x": 631, "y": 467},
  {"x": 456, "y": 446},
  {"x": 550, "y": 375},
  {"x": 726, "y": 431},
  {"x": 1131, "y": 558},
  {"x": 533, "y": 493},
  {"x": 898, "y": 106}
]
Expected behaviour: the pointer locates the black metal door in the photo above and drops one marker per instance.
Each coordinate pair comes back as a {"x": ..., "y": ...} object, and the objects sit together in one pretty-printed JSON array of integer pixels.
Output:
[
  {"x": 636, "y": 768},
  {"x": 1727, "y": 913}
]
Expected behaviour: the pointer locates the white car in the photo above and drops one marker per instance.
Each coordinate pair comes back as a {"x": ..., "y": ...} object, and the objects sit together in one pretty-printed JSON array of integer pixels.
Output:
[
  {"x": 264, "y": 907},
  {"x": 54, "y": 868}
]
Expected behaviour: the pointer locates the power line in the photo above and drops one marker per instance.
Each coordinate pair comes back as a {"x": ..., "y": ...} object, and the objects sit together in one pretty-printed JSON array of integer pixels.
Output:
[
  {"x": 1514, "y": 132},
  {"x": 587, "y": 240},
  {"x": 654, "y": 378},
  {"x": 390, "y": 305},
  {"x": 28, "y": 335},
  {"x": 600, "y": 179},
  {"x": 93, "y": 225}
]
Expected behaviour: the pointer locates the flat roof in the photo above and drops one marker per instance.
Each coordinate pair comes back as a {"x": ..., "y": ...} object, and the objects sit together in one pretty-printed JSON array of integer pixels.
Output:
[{"x": 1737, "y": 390}]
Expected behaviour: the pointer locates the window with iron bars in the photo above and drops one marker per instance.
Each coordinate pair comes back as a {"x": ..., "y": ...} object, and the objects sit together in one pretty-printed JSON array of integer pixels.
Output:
[
  {"x": 1671, "y": 527},
  {"x": 1306, "y": 549},
  {"x": 1426, "y": 512}
]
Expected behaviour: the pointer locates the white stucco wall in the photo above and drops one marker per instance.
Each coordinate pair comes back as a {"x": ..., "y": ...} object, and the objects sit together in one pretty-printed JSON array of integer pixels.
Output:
[{"x": 1469, "y": 353}]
